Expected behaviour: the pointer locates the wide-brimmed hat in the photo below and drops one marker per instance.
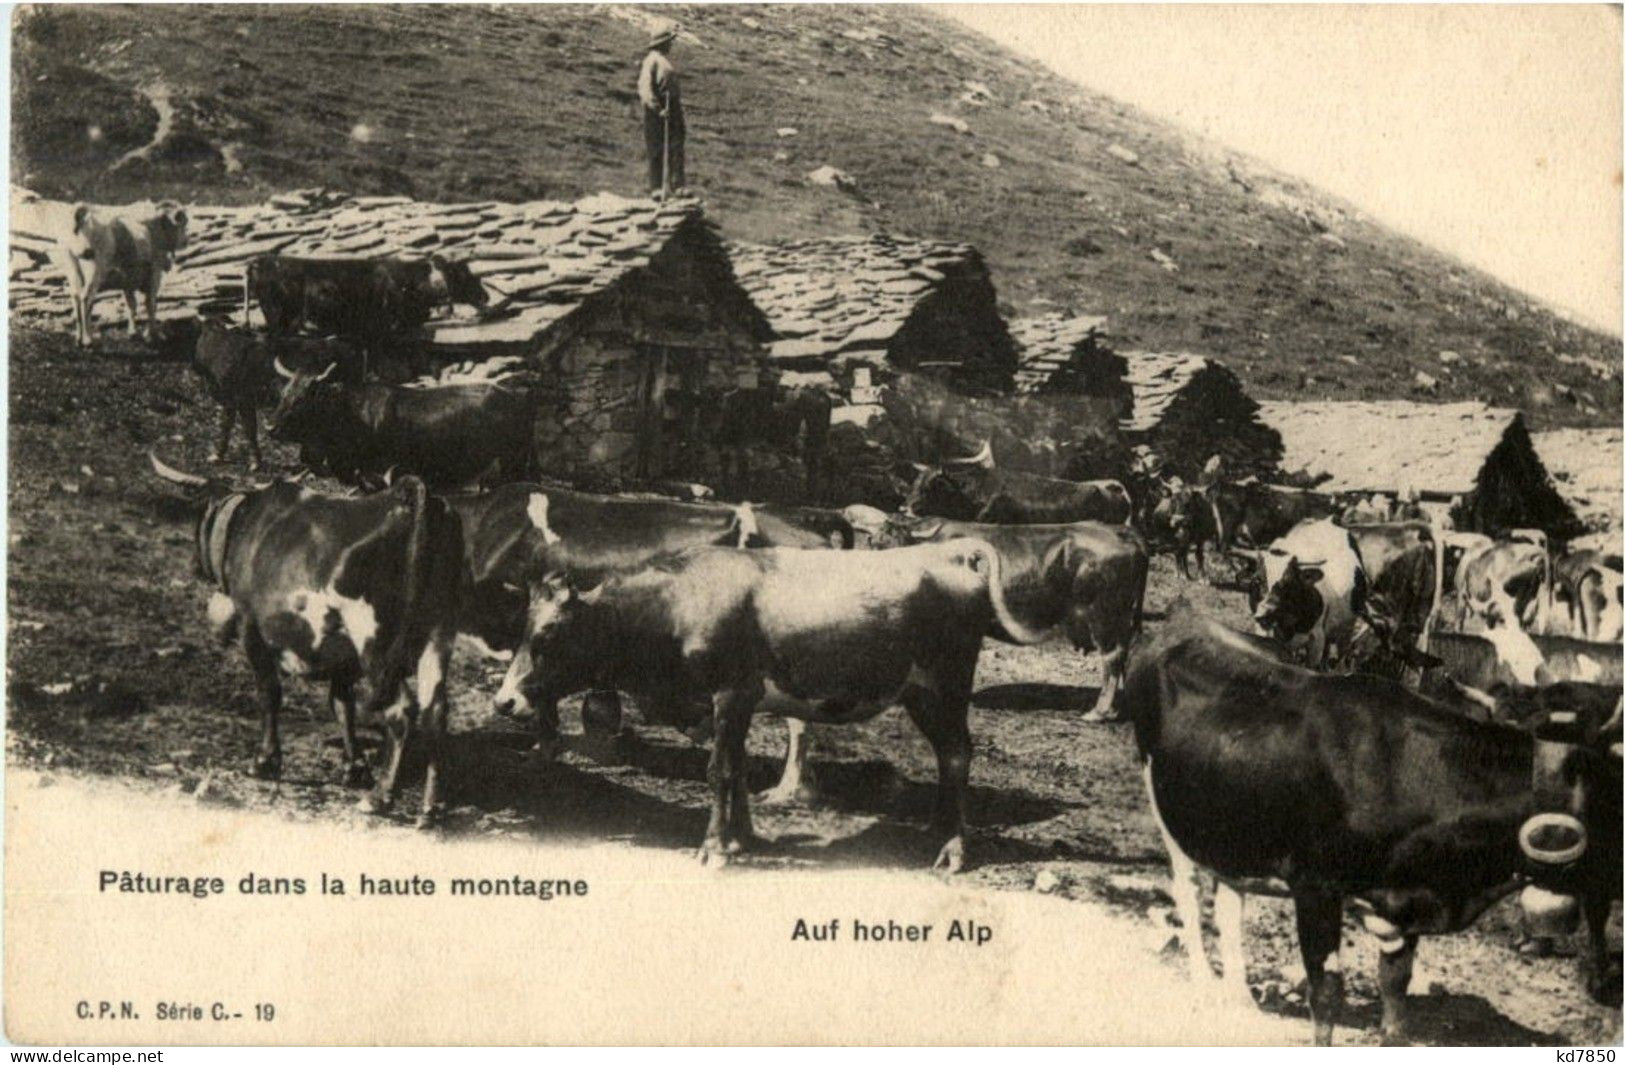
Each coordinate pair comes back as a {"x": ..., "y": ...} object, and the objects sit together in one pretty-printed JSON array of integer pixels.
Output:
[{"x": 662, "y": 35}]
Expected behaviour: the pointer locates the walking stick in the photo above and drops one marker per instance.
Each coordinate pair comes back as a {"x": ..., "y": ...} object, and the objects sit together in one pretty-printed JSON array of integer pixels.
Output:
[{"x": 665, "y": 152}]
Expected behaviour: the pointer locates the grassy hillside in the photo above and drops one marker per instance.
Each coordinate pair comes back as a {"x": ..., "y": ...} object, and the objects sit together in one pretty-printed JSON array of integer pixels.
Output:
[{"x": 1079, "y": 202}]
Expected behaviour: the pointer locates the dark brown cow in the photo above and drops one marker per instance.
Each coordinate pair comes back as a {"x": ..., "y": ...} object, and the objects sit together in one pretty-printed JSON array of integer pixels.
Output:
[
  {"x": 237, "y": 369},
  {"x": 974, "y": 489},
  {"x": 1254, "y": 514},
  {"x": 1355, "y": 788},
  {"x": 1086, "y": 579},
  {"x": 337, "y": 589},
  {"x": 367, "y": 300},
  {"x": 452, "y": 435},
  {"x": 899, "y": 627},
  {"x": 519, "y": 531}
]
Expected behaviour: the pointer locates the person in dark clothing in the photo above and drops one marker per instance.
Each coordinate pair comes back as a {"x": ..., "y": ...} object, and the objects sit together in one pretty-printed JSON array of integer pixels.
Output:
[{"x": 663, "y": 129}]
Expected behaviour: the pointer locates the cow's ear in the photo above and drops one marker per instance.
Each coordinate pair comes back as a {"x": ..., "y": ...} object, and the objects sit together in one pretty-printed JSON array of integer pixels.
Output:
[{"x": 591, "y": 595}]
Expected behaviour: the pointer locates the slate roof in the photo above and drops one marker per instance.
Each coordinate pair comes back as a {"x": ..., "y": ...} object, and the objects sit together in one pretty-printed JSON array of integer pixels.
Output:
[
  {"x": 1046, "y": 346},
  {"x": 1585, "y": 466},
  {"x": 1157, "y": 379},
  {"x": 1389, "y": 445},
  {"x": 844, "y": 297},
  {"x": 542, "y": 259}
]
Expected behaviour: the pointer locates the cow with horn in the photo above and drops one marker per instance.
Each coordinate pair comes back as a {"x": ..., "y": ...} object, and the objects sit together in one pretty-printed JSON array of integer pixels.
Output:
[
  {"x": 337, "y": 590},
  {"x": 976, "y": 489},
  {"x": 1355, "y": 790}
]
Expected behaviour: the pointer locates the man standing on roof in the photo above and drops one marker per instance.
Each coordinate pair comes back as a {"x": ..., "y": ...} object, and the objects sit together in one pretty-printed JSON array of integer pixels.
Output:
[{"x": 663, "y": 129}]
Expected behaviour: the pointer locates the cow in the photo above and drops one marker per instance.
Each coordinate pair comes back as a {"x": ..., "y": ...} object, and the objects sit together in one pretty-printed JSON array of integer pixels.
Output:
[
  {"x": 127, "y": 250},
  {"x": 1566, "y": 658},
  {"x": 829, "y": 636},
  {"x": 451, "y": 435},
  {"x": 974, "y": 489},
  {"x": 1307, "y": 591},
  {"x": 337, "y": 589},
  {"x": 1253, "y": 514},
  {"x": 1403, "y": 566},
  {"x": 1335, "y": 788},
  {"x": 367, "y": 300},
  {"x": 1502, "y": 582},
  {"x": 236, "y": 368},
  {"x": 1587, "y": 597},
  {"x": 1086, "y": 578},
  {"x": 519, "y": 530},
  {"x": 787, "y": 419},
  {"x": 1184, "y": 515}
]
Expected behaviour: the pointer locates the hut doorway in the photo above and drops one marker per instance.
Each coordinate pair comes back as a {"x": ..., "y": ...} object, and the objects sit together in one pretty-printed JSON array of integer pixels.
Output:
[{"x": 651, "y": 420}]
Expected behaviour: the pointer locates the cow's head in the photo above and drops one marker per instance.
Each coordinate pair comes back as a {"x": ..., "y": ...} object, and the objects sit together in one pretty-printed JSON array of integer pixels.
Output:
[
  {"x": 1283, "y": 595},
  {"x": 307, "y": 399},
  {"x": 458, "y": 282},
  {"x": 938, "y": 489},
  {"x": 169, "y": 228},
  {"x": 552, "y": 659},
  {"x": 1570, "y": 839}
]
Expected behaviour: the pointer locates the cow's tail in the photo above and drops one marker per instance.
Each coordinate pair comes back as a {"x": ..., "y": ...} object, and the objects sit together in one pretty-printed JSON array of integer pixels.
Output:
[
  {"x": 1437, "y": 536},
  {"x": 994, "y": 570},
  {"x": 397, "y": 663}
]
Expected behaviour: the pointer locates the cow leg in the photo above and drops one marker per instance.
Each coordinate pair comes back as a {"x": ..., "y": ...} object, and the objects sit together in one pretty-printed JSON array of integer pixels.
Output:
[
  {"x": 601, "y": 724},
  {"x": 341, "y": 700},
  {"x": 154, "y": 279},
  {"x": 1394, "y": 981},
  {"x": 87, "y": 301},
  {"x": 1111, "y": 676},
  {"x": 1180, "y": 564},
  {"x": 1230, "y": 919},
  {"x": 731, "y": 710},
  {"x": 251, "y": 429},
  {"x": 796, "y": 784},
  {"x": 1201, "y": 561},
  {"x": 130, "y": 312},
  {"x": 228, "y": 418},
  {"x": 398, "y": 726},
  {"x": 1320, "y": 927},
  {"x": 393, "y": 702},
  {"x": 262, "y": 659},
  {"x": 1602, "y": 968},
  {"x": 432, "y": 668},
  {"x": 1183, "y": 886},
  {"x": 943, "y": 720}
]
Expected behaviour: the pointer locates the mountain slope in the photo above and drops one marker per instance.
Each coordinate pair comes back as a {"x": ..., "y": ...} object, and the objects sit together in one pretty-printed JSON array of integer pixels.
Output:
[{"x": 1077, "y": 201}]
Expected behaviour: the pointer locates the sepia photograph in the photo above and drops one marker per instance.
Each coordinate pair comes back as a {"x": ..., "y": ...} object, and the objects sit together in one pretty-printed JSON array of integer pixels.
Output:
[{"x": 814, "y": 524}]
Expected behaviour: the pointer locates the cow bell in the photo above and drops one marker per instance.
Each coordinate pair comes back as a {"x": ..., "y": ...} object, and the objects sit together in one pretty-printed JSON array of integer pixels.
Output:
[
  {"x": 1554, "y": 838},
  {"x": 1548, "y": 914}
]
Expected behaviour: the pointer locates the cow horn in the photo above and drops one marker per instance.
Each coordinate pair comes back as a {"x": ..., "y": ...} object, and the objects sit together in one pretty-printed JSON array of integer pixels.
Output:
[
  {"x": 984, "y": 457},
  {"x": 330, "y": 368},
  {"x": 1548, "y": 823},
  {"x": 282, "y": 371},
  {"x": 174, "y": 476}
]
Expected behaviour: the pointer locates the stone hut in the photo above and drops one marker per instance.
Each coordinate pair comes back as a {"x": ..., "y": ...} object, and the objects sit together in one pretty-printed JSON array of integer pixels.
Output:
[
  {"x": 629, "y": 309},
  {"x": 1188, "y": 408},
  {"x": 879, "y": 303},
  {"x": 1480, "y": 457}
]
